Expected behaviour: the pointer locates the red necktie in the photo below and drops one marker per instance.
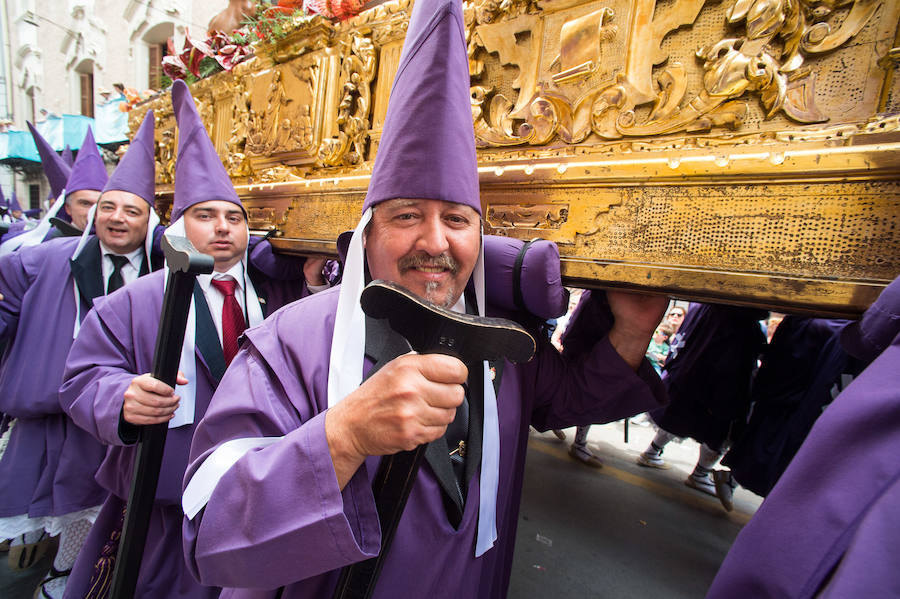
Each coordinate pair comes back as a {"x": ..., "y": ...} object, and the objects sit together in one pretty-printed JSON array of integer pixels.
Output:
[{"x": 232, "y": 318}]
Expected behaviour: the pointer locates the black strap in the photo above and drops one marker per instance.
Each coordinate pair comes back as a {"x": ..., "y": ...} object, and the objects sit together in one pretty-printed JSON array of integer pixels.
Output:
[{"x": 518, "y": 298}]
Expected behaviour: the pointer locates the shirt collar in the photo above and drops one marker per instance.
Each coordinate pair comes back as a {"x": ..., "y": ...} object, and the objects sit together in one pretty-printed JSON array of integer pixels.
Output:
[
  {"x": 236, "y": 272},
  {"x": 134, "y": 257}
]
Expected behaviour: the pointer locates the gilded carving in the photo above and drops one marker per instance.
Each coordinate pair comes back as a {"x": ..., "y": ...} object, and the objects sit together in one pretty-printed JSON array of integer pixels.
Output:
[
  {"x": 767, "y": 61},
  {"x": 710, "y": 149},
  {"x": 165, "y": 165},
  {"x": 527, "y": 216},
  {"x": 357, "y": 72}
]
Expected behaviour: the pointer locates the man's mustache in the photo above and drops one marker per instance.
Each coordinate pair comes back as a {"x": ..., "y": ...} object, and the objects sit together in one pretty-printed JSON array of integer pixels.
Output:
[{"x": 443, "y": 260}]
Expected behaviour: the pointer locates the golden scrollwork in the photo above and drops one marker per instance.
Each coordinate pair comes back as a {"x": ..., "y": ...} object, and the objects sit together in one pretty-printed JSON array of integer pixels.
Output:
[
  {"x": 602, "y": 76},
  {"x": 528, "y": 216}
]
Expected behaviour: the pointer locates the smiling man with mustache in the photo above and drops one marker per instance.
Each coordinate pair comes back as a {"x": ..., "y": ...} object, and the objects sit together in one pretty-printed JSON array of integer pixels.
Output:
[{"x": 278, "y": 495}]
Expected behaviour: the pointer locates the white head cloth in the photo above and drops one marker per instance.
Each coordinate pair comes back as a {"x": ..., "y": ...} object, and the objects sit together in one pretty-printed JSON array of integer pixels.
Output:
[{"x": 37, "y": 234}]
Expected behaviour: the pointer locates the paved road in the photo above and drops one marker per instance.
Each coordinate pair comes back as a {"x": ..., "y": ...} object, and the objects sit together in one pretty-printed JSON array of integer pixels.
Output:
[{"x": 620, "y": 532}]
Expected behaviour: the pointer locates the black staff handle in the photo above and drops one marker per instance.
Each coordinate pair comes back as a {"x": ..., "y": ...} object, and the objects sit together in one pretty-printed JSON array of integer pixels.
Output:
[
  {"x": 429, "y": 329},
  {"x": 184, "y": 263}
]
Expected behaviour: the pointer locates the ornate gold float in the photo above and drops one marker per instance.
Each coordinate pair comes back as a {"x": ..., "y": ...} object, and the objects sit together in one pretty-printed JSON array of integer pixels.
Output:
[{"x": 739, "y": 150}]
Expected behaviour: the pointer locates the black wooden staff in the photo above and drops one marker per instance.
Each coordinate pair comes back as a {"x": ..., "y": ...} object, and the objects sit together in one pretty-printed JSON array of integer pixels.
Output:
[
  {"x": 184, "y": 263},
  {"x": 429, "y": 329}
]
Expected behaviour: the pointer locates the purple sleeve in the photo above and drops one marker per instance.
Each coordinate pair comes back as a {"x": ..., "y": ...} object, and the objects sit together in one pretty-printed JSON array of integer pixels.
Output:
[
  {"x": 298, "y": 508},
  {"x": 99, "y": 369},
  {"x": 281, "y": 267},
  {"x": 594, "y": 387},
  {"x": 14, "y": 282}
]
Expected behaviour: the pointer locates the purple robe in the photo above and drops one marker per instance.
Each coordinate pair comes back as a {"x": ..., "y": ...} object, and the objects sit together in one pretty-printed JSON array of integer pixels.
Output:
[
  {"x": 277, "y": 517},
  {"x": 830, "y": 525},
  {"x": 43, "y": 441},
  {"x": 15, "y": 229},
  {"x": 708, "y": 372},
  {"x": 801, "y": 370},
  {"x": 115, "y": 344}
]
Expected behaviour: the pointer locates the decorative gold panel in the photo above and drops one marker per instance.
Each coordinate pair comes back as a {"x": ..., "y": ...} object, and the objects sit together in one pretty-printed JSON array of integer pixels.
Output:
[{"x": 738, "y": 150}]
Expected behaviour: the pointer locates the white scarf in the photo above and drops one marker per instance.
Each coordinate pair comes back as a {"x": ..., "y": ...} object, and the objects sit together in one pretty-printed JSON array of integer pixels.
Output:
[{"x": 345, "y": 373}]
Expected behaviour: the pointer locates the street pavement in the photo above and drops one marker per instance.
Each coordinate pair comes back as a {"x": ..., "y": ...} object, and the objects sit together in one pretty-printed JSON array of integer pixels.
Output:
[{"x": 623, "y": 531}]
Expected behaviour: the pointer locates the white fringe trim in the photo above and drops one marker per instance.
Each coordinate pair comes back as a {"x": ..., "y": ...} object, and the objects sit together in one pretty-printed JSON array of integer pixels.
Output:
[{"x": 19, "y": 525}]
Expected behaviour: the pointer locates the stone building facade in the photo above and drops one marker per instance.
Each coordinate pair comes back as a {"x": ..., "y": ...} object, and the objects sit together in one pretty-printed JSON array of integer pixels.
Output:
[{"x": 60, "y": 56}]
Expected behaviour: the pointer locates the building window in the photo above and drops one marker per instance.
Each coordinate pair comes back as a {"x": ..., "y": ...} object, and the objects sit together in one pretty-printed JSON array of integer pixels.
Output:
[
  {"x": 34, "y": 196},
  {"x": 87, "y": 93},
  {"x": 156, "y": 53}
]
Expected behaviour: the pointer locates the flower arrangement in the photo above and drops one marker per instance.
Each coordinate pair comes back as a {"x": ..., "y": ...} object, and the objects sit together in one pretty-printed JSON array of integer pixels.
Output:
[
  {"x": 268, "y": 22},
  {"x": 199, "y": 59},
  {"x": 133, "y": 97}
]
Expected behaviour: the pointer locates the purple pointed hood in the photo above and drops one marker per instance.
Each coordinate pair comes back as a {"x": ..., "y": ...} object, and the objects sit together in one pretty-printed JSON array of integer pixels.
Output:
[
  {"x": 14, "y": 202},
  {"x": 67, "y": 156},
  {"x": 88, "y": 172},
  {"x": 136, "y": 172},
  {"x": 427, "y": 149},
  {"x": 3, "y": 202},
  {"x": 199, "y": 173},
  {"x": 879, "y": 326},
  {"x": 56, "y": 169}
]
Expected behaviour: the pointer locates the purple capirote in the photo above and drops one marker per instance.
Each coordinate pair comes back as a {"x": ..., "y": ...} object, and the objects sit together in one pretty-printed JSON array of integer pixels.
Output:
[
  {"x": 88, "y": 172},
  {"x": 136, "y": 172},
  {"x": 55, "y": 167},
  {"x": 427, "y": 148},
  {"x": 199, "y": 173},
  {"x": 14, "y": 203}
]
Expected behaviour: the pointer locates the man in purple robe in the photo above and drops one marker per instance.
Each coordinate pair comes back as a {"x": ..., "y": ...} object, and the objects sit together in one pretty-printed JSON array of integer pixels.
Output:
[
  {"x": 803, "y": 369},
  {"x": 278, "y": 493},
  {"x": 707, "y": 374},
  {"x": 106, "y": 393},
  {"x": 829, "y": 527},
  {"x": 75, "y": 190},
  {"x": 47, "y": 471}
]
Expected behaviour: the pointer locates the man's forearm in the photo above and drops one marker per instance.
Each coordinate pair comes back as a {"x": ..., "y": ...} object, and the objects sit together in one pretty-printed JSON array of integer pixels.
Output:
[{"x": 632, "y": 347}]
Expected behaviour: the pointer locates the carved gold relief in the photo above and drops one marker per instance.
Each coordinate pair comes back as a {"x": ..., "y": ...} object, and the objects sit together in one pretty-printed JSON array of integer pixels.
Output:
[
  {"x": 767, "y": 61},
  {"x": 354, "y": 109},
  {"x": 527, "y": 216}
]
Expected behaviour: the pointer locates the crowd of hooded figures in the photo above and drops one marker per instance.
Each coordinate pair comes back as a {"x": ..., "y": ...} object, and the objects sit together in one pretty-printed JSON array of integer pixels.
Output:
[{"x": 288, "y": 395}]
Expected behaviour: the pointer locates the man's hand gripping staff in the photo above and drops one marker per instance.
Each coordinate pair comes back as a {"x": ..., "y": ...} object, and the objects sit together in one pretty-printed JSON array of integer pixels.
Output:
[{"x": 425, "y": 391}]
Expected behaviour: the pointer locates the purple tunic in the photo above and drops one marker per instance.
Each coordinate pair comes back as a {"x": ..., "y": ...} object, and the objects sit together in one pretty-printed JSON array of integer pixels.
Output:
[
  {"x": 708, "y": 371},
  {"x": 277, "y": 517},
  {"x": 39, "y": 278},
  {"x": 116, "y": 343},
  {"x": 831, "y": 523},
  {"x": 801, "y": 369}
]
